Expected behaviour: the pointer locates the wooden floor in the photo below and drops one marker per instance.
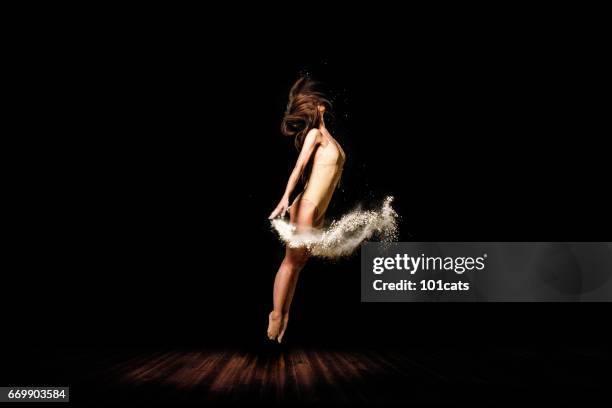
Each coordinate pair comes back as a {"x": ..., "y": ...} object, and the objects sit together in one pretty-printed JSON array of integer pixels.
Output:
[
  {"x": 314, "y": 375},
  {"x": 296, "y": 375},
  {"x": 306, "y": 375}
]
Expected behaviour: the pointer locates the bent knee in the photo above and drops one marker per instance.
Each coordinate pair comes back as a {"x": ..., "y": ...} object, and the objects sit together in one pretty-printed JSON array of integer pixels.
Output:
[{"x": 296, "y": 259}]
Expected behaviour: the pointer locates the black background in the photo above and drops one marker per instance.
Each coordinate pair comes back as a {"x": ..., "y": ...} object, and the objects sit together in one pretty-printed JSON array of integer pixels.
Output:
[{"x": 146, "y": 166}]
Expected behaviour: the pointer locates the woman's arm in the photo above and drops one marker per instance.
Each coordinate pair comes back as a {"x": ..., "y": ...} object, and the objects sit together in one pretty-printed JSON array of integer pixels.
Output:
[{"x": 313, "y": 138}]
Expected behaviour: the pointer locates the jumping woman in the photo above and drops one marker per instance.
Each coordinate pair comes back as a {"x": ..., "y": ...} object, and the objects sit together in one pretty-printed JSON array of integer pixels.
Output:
[{"x": 320, "y": 163}]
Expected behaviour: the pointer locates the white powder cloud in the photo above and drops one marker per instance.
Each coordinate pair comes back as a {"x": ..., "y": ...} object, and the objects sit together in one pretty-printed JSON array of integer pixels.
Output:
[{"x": 345, "y": 235}]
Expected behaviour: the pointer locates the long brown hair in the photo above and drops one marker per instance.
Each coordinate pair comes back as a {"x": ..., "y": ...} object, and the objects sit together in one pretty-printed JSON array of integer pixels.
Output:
[{"x": 302, "y": 112}]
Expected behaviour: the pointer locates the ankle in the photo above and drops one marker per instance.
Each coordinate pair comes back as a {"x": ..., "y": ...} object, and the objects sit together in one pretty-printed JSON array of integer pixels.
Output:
[{"x": 276, "y": 315}]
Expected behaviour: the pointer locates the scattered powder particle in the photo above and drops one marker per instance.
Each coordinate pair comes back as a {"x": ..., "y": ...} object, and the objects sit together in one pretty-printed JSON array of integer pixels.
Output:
[{"x": 342, "y": 237}]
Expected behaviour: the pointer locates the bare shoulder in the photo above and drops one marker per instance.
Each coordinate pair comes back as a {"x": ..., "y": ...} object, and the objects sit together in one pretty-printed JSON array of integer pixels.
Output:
[{"x": 314, "y": 136}]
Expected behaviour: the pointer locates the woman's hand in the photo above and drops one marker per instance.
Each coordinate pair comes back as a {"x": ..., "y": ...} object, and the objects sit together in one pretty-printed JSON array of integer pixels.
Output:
[{"x": 280, "y": 209}]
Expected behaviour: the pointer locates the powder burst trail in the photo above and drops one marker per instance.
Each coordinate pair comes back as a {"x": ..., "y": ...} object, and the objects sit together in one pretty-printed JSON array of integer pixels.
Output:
[{"x": 345, "y": 235}]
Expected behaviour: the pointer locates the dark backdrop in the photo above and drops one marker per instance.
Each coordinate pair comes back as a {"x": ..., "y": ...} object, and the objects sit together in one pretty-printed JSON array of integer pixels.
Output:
[{"x": 145, "y": 172}]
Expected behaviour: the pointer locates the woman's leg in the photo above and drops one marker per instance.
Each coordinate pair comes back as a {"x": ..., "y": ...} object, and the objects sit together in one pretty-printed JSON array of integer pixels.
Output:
[
  {"x": 318, "y": 220},
  {"x": 303, "y": 214},
  {"x": 284, "y": 287}
]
